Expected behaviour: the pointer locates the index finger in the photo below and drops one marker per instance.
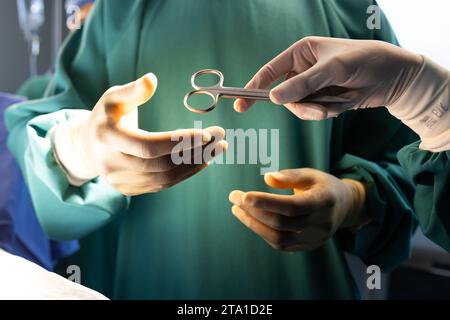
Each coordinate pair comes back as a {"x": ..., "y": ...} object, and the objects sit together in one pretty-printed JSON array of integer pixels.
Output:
[
  {"x": 288, "y": 205},
  {"x": 272, "y": 71},
  {"x": 149, "y": 145}
]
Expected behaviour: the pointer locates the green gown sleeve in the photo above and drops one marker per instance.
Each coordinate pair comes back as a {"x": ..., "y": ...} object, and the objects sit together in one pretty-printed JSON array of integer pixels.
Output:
[
  {"x": 430, "y": 173},
  {"x": 34, "y": 88},
  {"x": 386, "y": 240},
  {"x": 64, "y": 211}
]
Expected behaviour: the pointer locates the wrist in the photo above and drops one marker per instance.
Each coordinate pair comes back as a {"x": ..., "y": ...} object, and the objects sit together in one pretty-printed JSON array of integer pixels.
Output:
[
  {"x": 70, "y": 151},
  {"x": 424, "y": 106},
  {"x": 356, "y": 216}
]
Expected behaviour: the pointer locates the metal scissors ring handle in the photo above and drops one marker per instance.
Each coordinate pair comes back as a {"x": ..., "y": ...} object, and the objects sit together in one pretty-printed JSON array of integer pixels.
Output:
[
  {"x": 213, "y": 91},
  {"x": 207, "y": 71}
]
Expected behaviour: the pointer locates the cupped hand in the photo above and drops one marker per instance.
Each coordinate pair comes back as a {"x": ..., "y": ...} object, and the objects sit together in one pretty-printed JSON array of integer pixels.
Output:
[{"x": 319, "y": 206}]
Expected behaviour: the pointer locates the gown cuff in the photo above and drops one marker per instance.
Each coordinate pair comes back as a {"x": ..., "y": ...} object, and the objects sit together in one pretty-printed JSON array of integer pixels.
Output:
[
  {"x": 420, "y": 164},
  {"x": 66, "y": 212}
]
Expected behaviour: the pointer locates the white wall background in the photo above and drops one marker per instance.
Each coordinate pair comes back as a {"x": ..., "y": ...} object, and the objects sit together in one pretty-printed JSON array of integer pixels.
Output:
[{"x": 422, "y": 26}]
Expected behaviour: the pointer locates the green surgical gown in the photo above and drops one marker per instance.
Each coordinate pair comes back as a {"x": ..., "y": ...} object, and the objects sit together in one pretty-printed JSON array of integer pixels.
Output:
[
  {"x": 34, "y": 87},
  {"x": 431, "y": 175},
  {"x": 184, "y": 242}
]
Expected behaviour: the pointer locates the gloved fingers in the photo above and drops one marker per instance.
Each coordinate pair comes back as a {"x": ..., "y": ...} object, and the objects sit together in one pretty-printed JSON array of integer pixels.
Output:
[
  {"x": 335, "y": 109},
  {"x": 151, "y": 182},
  {"x": 217, "y": 134},
  {"x": 267, "y": 75},
  {"x": 292, "y": 178},
  {"x": 279, "y": 240},
  {"x": 318, "y": 214},
  {"x": 235, "y": 197},
  {"x": 175, "y": 176},
  {"x": 308, "y": 111},
  {"x": 286, "y": 205},
  {"x": 165, "y": 163},
  {"x": 141, "y": 165},
  {"x": 290, "y": 74},
  {"x": 186, "y": 174},
  {"x": 144, "y": 144},
  {"x": 275, "y": 221},
  {"x": 299, "y": 87},
  {"x": 135, "y": 190},
  {"x": 171, "y": 177},
  {"x": 261, "y": 80},
  {"x": 138, "y": 189},
  {"x": 291, "y": 61},
  {"x": 212, "y": 150},
  {"x": 316, "y": 112},
  {"x": 121, "y": 100},
  {"x": 202, "y": 154},
  {"x": 324, "y": 104}
]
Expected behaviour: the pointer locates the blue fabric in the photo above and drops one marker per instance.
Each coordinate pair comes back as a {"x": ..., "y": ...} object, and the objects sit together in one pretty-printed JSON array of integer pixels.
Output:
[{"x": 20, "y": 231}]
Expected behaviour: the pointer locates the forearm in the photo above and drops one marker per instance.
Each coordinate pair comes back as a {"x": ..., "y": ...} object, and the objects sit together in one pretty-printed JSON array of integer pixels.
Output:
[
  {"x": 424, "y": 106},
  {"x": 65, "y": 212}
]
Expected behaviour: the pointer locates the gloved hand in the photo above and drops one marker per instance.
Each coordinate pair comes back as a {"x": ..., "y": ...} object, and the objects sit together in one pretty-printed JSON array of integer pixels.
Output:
[
  {"x": 105, "y": 143},
  {"x": 320, "y": 205},
  {"x": 345, "y": 74},
  {"x": 327, "y": 76}
]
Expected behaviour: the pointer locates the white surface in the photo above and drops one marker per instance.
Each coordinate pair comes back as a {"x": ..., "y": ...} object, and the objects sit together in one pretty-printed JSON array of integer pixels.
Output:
[
  {"x": 23, "y": 280},
  {"x": 421, "y": 26}
]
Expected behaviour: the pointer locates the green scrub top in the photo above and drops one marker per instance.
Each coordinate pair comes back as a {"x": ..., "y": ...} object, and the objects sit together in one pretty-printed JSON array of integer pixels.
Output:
[
  {"x": 184, "y": 243},
  {"x": 431, "y": 174},
  {"x": 34, "y": 87}
]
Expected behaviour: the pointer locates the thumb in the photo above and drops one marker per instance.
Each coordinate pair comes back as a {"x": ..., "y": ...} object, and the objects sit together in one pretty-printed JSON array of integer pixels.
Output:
[
  {"x": 122, "y": 100},
  {"x": 290, "y": 179}
]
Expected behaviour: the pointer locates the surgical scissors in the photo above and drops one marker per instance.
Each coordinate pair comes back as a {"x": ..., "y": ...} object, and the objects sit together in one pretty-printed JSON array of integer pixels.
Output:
[{"x": 219, "y": 91}]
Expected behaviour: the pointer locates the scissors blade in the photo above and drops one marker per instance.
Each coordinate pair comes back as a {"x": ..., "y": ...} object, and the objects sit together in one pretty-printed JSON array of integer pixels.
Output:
[
  {"x": 264, "y": 94},
  {"x": 240, "y": 93}
]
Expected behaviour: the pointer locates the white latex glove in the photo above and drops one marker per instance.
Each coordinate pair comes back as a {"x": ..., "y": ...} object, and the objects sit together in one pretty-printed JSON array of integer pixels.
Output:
[
  {"x": 134, "y": 161},
  {"x": 24, "y": 280},
  {"x": 319, "y": 206},
  {"x": 327, "y": 76}
]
